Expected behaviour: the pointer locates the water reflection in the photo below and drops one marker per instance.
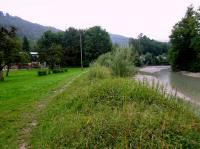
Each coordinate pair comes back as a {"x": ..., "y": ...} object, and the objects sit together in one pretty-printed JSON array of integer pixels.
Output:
[{"x": 189, "y": 86}]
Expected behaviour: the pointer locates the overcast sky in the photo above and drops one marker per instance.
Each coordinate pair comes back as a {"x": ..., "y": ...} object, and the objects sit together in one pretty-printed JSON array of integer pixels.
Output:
[{"x": 154, "y": 18}]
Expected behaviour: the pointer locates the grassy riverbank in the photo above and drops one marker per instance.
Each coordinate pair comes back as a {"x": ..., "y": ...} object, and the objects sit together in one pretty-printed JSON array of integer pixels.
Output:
[
  {"x": 101, "y": 111},
  {"x": 19, "y": 95}
]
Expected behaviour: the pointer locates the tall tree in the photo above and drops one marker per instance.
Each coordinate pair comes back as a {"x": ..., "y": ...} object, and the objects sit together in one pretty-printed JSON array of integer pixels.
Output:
[
  {"x": 9, "y": 48},
  {"x": 185, "y": 40},
  {"x": 50, "y": 49},
  {"x": 97, "y": 41},
  {"x": 71, "y": 46},
  {"x": 26, "y": 45},
  {"x": 54, "y": 54}
]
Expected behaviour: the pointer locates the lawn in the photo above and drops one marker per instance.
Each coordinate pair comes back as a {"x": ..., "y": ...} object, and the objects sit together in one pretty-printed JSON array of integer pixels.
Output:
[{"x": 19, "y": 94}]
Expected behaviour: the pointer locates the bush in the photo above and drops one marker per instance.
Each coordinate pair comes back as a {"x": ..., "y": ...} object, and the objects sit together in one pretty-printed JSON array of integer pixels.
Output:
[
  {"x": 105, "y": 59},
  {"x": 65, "y": 69},
  {"x": 121, "y": 62},
  {"x": 58, "y": 70},
  {"x": 42, "y": 72},
  {"x": 98, "y": 71}
]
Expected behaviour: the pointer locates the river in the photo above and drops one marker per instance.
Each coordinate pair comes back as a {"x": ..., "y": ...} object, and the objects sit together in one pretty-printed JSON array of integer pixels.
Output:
[{"x": 189, "y": 86}]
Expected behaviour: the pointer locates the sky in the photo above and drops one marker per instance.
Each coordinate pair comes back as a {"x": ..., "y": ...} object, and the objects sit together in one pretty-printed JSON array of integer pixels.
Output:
[{"x": 154, "y": 18}]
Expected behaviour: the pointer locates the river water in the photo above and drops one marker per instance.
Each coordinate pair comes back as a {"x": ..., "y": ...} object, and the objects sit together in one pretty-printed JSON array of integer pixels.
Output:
[{"x": 188, "y": 86}]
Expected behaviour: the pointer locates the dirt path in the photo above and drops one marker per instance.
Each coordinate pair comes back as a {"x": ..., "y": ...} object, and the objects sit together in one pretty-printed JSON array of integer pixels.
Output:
[{"x": 40, "y": 106}]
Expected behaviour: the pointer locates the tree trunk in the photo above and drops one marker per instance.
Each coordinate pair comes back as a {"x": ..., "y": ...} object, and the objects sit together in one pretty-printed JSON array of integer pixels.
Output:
[
  {"x": 8, "y": 70},
  {"x": 1, "y": 74}
]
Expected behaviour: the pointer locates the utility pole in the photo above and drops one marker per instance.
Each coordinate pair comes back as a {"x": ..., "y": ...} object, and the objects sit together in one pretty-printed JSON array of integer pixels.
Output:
[{"x": 81, "y": 49}]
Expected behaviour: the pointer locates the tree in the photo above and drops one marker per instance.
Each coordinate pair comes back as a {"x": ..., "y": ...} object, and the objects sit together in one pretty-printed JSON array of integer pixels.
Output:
[
  {"x": 146, "y": 45},
  {"x": 45, "y": 43},
  {"x": 54, "y": 54},
  {"x": 71, "y": 47},
  {"x": 26, "y": 46},
  {"x": 9, "y": 48},
  {"x": 96, "y": 42},
  {"x": 185, "y": 39}
]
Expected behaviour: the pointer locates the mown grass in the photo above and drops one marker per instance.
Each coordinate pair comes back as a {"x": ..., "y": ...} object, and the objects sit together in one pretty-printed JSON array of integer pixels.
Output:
[
  {"x": 113, "y": 112},
  {"x": 19, "y": 94}
]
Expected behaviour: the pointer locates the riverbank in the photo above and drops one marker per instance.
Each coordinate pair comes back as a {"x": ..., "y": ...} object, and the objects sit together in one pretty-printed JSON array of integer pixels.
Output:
[
  {"x": 153, "y": 69},
  {"x": 175, "y": 83},
  {"x": 99, "y": 110},
  {"x": 153, "y": 81},
  {"x": 191, "y": 74}
]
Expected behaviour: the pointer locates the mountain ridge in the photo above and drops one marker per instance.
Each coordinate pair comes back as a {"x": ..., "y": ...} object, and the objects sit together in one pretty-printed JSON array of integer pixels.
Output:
[{"x": 33, "y": 31}]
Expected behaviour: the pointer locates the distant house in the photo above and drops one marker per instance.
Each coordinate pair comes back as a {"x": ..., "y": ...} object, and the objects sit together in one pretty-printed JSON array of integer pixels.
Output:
[{"x": 34, "y": 56}]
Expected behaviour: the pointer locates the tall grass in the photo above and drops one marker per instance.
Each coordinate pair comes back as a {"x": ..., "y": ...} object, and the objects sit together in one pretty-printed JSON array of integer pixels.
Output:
[
  {"x": 116, "y": 113},
  {"x": 98, "y": 71},
  {"x": 120, "y": 61}
]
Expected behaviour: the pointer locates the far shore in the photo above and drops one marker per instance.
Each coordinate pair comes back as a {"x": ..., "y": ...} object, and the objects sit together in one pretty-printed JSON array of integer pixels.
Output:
[
  {"x": 153, "y": 69},
  {"x": 191, "y": 74}
]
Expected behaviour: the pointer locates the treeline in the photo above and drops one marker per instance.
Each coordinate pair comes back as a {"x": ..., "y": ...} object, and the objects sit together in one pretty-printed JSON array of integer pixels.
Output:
[
  {"x": 63, "y": 48},
  {"x": 150, "y": 52},
  {"x": 185, "y": 40}
]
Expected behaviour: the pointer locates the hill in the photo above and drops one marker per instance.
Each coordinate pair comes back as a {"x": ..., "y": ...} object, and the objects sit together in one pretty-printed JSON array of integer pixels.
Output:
[
  {"x": 32, "y": 31},
  {"x": 119, "y": 39}
]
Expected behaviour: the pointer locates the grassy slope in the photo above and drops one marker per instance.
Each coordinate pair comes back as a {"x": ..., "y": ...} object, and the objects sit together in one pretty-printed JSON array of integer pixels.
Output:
[
  {"x": 19, "y": 94},
  {"x": 115, "y": 113}
]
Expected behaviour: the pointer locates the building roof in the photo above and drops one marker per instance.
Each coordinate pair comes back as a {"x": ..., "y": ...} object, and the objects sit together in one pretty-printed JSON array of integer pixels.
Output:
[{"x": 34, "y": 53}]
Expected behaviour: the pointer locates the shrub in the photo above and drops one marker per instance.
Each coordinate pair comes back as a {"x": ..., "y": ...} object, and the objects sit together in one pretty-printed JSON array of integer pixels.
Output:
[
  {"x": 58, "y": 70},
  {"x": 42, "y": 72},
  {"x": 120, "y": 61},
  {"x": 65, "y": 69},
  {"x": 105, "y": 59}
]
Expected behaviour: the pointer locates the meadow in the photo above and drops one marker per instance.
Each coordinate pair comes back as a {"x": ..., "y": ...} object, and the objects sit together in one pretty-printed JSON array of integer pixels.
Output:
[{"x": 20, "y": 94}]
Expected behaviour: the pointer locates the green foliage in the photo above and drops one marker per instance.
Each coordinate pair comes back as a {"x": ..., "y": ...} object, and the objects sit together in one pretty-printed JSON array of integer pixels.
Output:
[
  {"x": 10, "y": 47},
  {"x": 42, "y": 72},
  {"x": 65, "y": 69},
  {"x": 97, "y": 71},
  {"x": 25, "y": 45},
  {"x": 54, "y": 54},
  {"x": 120, "y": 61},
  {"x": 24, "y": 57},
  {"x": 146, "y": 45},
  {"x": 71, "y": 47},
  {"x": 58, "y": 71},
  {"x": 105, "y": 59},
  {"x": 116, "y": 113},
  {"x": 96, "y": 42},
  {"x": 50, "y": 50},
  {"x": 185, "y": 40}
]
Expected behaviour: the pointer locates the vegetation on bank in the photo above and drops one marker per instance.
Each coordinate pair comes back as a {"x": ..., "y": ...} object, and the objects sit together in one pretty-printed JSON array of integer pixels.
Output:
[
  {"x": 100, "y": 110},
  {"x": 150, "y": 52},
  {"x": 185, "y": 39},
  {"x": 20, "y": 95}
]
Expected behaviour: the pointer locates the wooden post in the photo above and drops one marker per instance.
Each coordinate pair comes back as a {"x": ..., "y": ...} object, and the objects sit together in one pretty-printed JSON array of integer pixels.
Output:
[{"x": 81, "y": 50}]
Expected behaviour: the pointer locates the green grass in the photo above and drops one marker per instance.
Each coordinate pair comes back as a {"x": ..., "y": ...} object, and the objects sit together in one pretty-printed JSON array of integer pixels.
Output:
[
  {"x": 115, "y": 113},
  {"x": 19, "y": 95}
]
